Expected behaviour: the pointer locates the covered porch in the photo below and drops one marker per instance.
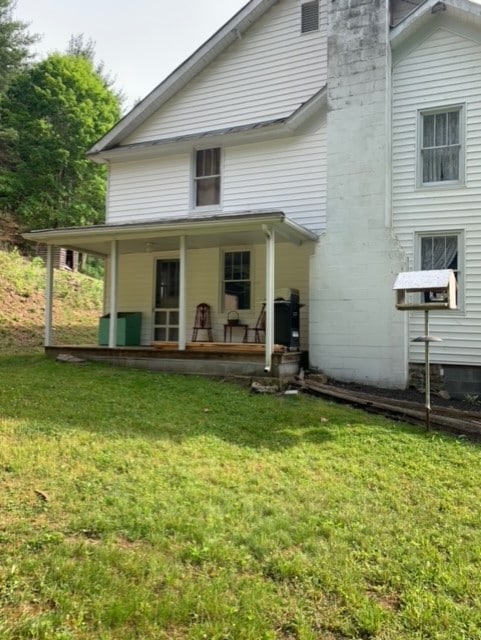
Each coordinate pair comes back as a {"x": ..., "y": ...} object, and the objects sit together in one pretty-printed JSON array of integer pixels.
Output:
[{"x": 237, "y": 264}]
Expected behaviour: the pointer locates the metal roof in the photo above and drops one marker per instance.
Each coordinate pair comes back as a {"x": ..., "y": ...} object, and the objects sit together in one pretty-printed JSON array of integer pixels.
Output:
[
  {"x": 245, "y": 227},
  {"x": 301, "y": 118}
]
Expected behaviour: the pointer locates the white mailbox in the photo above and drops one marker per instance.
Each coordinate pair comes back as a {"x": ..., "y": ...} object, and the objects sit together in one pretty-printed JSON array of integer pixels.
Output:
[{"x": 426, "y": 290}]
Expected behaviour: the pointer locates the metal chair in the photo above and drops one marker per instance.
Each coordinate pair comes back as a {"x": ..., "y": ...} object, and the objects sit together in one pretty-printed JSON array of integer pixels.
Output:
[
  {"x": 202, "y": 322},
  {"x": 259, "y": 330}
]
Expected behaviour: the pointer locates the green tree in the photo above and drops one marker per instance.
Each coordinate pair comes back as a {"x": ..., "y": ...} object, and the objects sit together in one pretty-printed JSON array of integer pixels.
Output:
[
  {"x": 14, "y": 53},
  {"x": 14, "y": 44},
  {"x": 79, "y": 46},
  {"x": 59, "y": 107}
]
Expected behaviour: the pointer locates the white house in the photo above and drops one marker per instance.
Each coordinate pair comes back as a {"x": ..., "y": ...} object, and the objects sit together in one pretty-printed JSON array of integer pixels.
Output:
[{"x": 322, "y": 147}]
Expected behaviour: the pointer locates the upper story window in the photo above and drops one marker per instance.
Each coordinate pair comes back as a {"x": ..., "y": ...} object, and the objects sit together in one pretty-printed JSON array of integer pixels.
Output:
[
  {"x": 207, "y": 177},
  {"x": 441, "y": 147},
  {"x": 237, "y": 280},
  {"x": 310, "y": 16}
]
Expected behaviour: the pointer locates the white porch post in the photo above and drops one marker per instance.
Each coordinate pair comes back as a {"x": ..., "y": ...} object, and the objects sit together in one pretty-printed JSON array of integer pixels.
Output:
[
  {"x": 182, "y": 294},
  {"x": 49, "y": 297},
  {"x": 270, "y": 274},
  {"x": 114, "y": 268}
]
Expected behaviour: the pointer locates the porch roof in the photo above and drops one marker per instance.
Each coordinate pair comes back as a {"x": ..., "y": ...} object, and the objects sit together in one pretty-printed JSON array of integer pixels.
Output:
[{"x": 247, "y": 227}]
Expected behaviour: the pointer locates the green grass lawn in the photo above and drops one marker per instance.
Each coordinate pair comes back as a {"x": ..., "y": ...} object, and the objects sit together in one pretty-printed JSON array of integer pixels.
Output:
[{"x": 138, "y": 505}]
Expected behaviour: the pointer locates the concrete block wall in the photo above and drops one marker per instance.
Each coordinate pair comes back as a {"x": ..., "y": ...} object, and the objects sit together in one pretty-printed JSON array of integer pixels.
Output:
[
  {"x": 463, "y": 382},
  {"x": 460, "y": 381},
  {"x": 356, "y": 333}
]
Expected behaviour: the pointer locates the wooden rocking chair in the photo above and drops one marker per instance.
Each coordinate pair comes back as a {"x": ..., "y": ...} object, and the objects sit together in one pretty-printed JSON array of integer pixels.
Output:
[
  {"x": 259, "y": 330},
  {"x": 202, "y": 322}
]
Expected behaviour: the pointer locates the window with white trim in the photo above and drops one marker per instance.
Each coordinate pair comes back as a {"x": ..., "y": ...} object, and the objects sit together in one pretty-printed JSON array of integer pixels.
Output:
[
  {"x": 237, "y": 280},
  {"x": 441, "y": 147},
  {"x": 310, "y": 16},
  {"x": 442, "y": 251},
  {"x": 207, "y": 177}
]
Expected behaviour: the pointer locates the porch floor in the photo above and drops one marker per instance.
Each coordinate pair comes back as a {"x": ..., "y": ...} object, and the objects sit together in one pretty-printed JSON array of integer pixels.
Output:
[{"x": 199, "y": 358}]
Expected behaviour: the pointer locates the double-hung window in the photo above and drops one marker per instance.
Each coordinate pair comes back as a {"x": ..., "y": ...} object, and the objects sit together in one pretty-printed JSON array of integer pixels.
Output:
[
  {"x": 441, "y": 147},
  {"x": 237, "y": 280},
  {"x": 442, "y": 251},
  {"x": 207, "y": 177}
]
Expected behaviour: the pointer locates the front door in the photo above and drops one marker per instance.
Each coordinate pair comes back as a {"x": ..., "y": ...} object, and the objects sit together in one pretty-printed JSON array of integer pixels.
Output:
[{"x": 166, "y": 304}]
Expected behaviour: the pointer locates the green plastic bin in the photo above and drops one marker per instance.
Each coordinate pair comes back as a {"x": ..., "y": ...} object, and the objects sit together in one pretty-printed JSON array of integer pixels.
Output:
[{"x": 129, "y": 325}]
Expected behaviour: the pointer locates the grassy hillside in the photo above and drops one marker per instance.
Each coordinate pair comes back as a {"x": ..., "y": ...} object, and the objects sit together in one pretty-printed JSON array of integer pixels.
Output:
[{"x": 77, "y": 305}]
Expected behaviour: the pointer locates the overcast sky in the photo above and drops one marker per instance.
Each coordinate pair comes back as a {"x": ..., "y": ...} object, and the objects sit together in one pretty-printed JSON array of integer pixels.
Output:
[{"x": 140, "y": 42}]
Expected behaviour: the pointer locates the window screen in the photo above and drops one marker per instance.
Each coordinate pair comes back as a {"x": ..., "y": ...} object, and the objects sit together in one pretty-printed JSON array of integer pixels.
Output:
[
  {"x": 237, "y": 280},
  {"x": 441, "y": 146},
  {"x": 440, "y": 252},
  {"x": 207, "y": 177}
]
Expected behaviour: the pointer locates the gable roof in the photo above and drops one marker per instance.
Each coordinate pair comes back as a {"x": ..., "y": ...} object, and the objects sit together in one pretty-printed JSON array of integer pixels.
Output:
[
  {"x": 464, "y": 10},
  {"x": 224, "y": 37},
  {"x": 233, "y": 29}
]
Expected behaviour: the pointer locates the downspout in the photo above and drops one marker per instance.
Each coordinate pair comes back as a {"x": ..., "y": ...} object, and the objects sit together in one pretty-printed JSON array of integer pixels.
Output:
[
  {"x": 49, "y": 297},
  {"x": 270, "y": 271},
  {"x": 182, "y": 294},
  {"x": 114, "y": 268}
]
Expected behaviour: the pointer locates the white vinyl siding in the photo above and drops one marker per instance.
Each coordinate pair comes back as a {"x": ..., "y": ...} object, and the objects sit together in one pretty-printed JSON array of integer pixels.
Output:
[
  {"x": 149, "y": 189},
  {"x": 287, "y": 175},
  {"x": 266, "y": 74},
  {"x": 442, "y": 71}
]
